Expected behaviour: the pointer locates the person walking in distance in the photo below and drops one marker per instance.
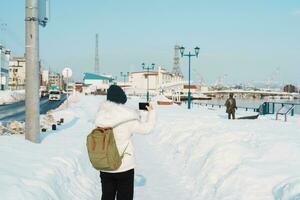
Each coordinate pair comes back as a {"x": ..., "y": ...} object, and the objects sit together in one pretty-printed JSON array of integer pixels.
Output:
[
  {"x": 119, "y": 184},
  {"x": 231, "y": 106}
]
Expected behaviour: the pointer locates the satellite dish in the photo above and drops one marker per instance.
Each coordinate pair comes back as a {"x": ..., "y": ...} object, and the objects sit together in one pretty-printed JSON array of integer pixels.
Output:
[{"x": 67, "y": 72}]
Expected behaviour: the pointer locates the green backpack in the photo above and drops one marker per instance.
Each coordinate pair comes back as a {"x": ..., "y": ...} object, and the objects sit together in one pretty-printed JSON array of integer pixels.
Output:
[{"x": 102, "y": 149}]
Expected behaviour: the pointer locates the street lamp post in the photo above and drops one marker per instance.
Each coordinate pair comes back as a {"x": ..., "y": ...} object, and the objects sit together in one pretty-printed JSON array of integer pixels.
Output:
[
  {"x": 124, "y": 75},
  {"x": 197, "y": 49},
  {"x": 148, "y": 68}
]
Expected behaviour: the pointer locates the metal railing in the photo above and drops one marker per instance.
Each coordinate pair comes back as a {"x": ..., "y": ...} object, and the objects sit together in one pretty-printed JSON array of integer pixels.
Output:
[
  {"x": 212, "y": 105},
  {"x": 264, "y": 109},
  {"x": 271, "y": 107},
  {"x": 285, "y": 110}
]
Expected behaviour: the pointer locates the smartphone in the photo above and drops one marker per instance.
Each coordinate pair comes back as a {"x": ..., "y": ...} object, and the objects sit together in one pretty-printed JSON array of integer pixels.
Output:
[{"x": 142, "y": 106}]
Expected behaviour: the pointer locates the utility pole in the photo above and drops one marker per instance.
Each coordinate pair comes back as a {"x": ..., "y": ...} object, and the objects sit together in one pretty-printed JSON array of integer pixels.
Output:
[
  {"x": 32, "y": 102},
  {"x": 97, "y": 70},
  {"x": 67, "y": 73}
]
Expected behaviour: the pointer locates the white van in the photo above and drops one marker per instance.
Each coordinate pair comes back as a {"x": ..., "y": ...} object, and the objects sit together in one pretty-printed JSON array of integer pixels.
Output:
[{"x": 54, "y": 95}]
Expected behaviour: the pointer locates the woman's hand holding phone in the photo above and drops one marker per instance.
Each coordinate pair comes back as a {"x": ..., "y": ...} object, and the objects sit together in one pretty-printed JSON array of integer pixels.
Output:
[{"x": 150, "y": 107}]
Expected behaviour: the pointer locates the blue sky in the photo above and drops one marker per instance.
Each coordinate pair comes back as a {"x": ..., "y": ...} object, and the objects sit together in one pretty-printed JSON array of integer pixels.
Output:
[{"x": 245, "y": 40}]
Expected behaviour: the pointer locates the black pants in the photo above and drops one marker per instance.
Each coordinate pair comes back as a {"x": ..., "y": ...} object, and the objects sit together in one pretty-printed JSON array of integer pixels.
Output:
[
  {"x": 231, "y": 114},
  {"x": 117, "y": 184}
]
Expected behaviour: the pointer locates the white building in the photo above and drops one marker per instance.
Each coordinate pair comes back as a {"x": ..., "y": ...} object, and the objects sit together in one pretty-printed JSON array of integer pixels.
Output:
[
  {"x": 17, "y": 75},
  {"x": 4, "y": 61},
  {"x": 17, "y": 67},
  {"x": 96, "y": 83},
  {"x": 157, "y": 79},
  {"x": 44, "y": 77},
  {"x": 55, "y": 79}
]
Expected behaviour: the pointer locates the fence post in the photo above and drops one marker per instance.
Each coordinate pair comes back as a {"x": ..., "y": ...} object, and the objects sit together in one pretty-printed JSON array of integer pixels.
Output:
[
  {"x": 265, "y": 108},
  {"x": 261, "y": 108},
  {"x": 285, "y": 118}
]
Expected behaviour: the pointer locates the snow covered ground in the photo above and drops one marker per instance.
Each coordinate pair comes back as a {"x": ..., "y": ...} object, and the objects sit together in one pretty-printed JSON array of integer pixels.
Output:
[
  {"x": 7, "y": 96},
  {"x": 191, "y": 155}
]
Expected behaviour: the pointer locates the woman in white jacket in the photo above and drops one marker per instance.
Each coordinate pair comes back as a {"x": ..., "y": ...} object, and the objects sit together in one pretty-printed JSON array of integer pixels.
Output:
[{"x": 120, "y": 183}]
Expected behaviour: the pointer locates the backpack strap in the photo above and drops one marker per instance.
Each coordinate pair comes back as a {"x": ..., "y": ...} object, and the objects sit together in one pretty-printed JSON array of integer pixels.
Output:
[
  {"x": 124, "y": 152},
  {"x": 123, "y": 122}
]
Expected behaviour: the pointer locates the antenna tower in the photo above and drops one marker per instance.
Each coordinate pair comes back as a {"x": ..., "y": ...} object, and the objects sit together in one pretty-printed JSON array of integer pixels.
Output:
[
  {"x": 176, "y": 68},
  {"x": 97, "y": 70}
]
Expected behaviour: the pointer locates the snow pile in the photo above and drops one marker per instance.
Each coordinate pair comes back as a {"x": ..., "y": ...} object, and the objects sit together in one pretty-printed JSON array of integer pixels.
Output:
[
  {"x": 58, "y": 168},
  {"x": 7, "y": 96},
  {"x": 191, "y": 155},
  {"x": 239, "y": 159}
]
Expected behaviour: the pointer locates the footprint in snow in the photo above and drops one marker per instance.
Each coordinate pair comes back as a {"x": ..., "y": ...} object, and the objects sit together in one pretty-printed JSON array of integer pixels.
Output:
[
  {"x": 289, "y": 189},
  {"x": 139, "y": 180}
]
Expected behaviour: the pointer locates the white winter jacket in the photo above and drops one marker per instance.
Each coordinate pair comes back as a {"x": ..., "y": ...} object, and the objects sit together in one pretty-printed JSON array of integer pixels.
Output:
[{"x": 111, "y": 114}]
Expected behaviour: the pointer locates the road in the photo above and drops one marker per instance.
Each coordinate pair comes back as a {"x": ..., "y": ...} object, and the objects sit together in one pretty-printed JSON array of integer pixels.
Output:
[{"x": 16, "y": 111}]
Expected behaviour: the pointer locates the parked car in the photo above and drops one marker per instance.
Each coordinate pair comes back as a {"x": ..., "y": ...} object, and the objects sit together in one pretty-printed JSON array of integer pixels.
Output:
[
  {"x": 44, "y": 93},
  {"x": 54, "y": 95}
]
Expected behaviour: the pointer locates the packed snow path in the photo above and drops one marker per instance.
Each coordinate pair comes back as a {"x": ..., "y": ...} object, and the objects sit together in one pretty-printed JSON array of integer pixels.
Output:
[
  {"x": 153, "y": 179},
  {"x": 190, "y": 156}
]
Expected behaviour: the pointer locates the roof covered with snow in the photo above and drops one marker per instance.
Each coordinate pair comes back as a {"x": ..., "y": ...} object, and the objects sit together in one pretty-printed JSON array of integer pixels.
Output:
[{"x": 92, "y": 76}]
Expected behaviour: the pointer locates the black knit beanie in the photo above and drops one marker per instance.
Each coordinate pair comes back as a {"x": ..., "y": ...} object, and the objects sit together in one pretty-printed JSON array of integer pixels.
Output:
[{"x": 116, "y": 94}]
